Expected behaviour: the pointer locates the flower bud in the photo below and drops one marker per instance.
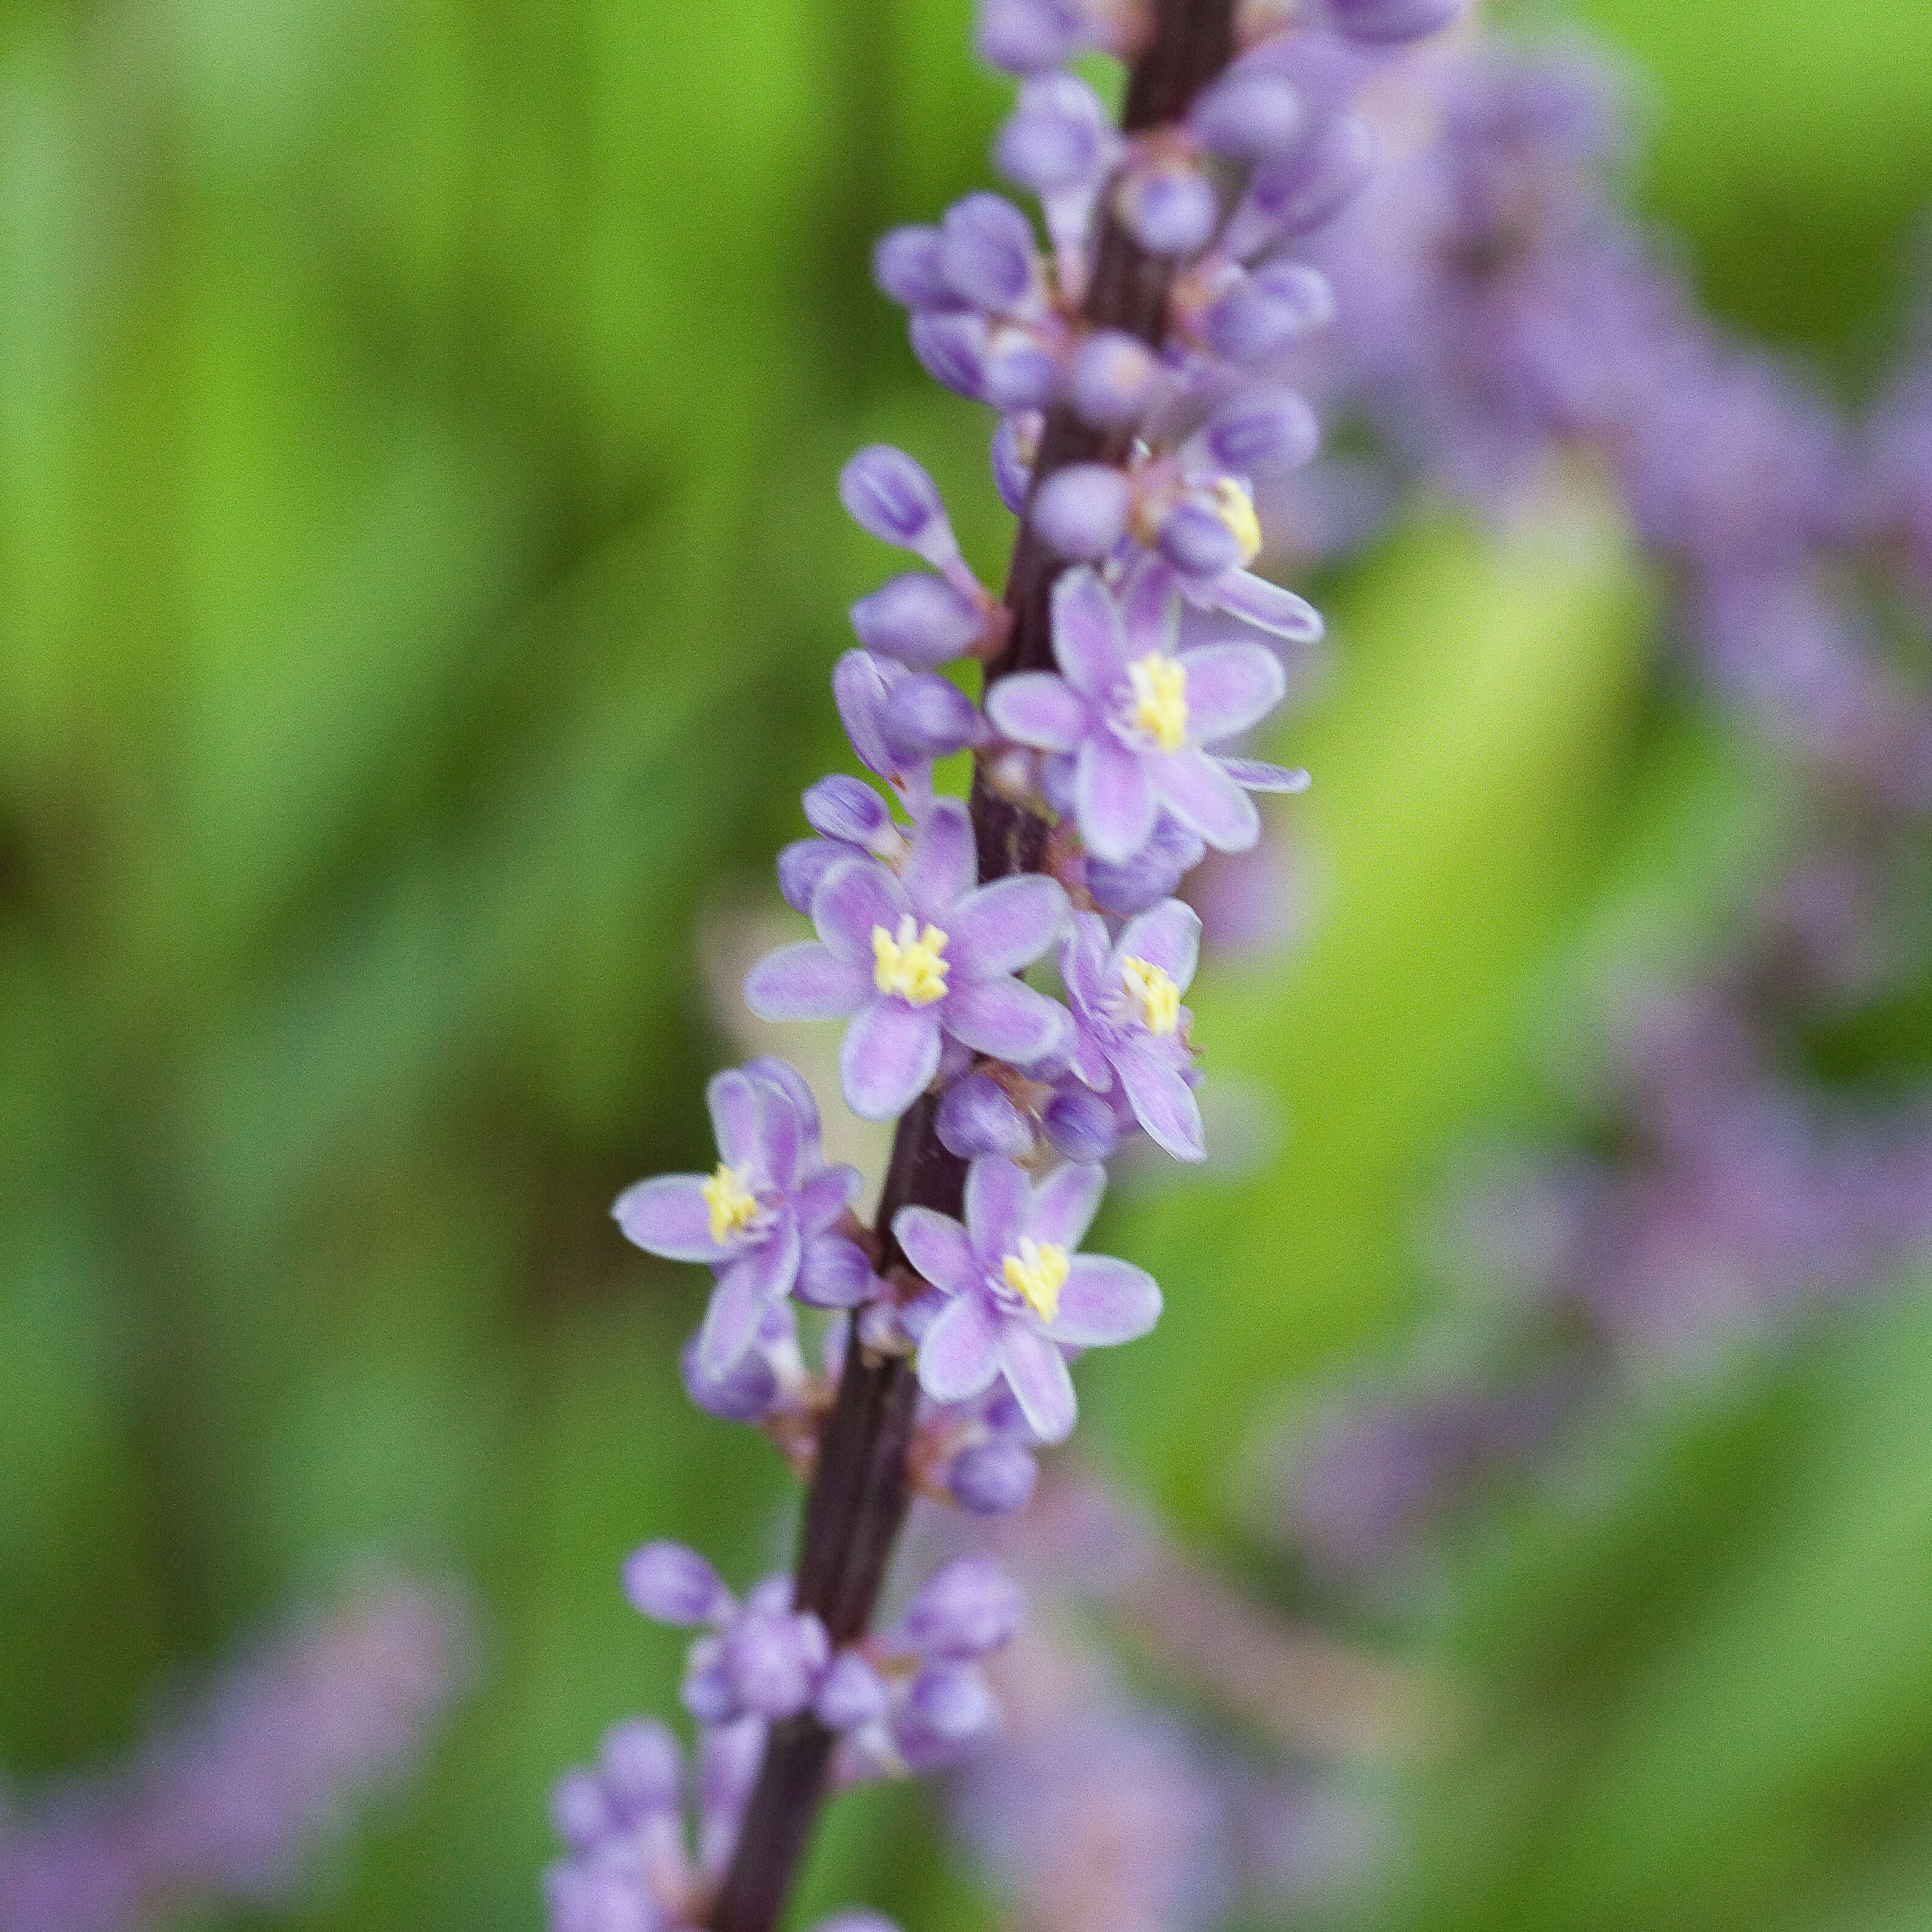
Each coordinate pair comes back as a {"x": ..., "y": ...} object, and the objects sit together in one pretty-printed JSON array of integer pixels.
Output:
[
  {"x": 774, "y": 1661},
  {"x": 1249, "y": 115},
  {"x": 802, "y": 865},
  {"x": 641, "y": 1770},
  {"x": 1111, "y": 379},
  {"x": 1151, "y": 875},
  {"x": 907, "y": 266},
  {"x": 888, "y": 495},
  {"x": 1079, "y": 1123},
  {"x": 853, "y": 1693},
  {"x": 1082, "y": 511},
  {"x": 1303, "y": 191},
  {"x": 976, "y": 1117},
  {"x": 746, "y": 1391},
  {"x": 847, "y": 809},
  {"x": 1058, "y": 135},
  {"x": 579, "y": 1811},
  {"x": 967, "y": 1609},
  {"x": 1260, "y": 429},
  {"x": 927, "y": 717},
  {"x": 951, "y": 346},
  {"x": 993, "y": 1478},
  {"x": 834, "y": 1272},
  {"x": 919, "y": 619},
  {"x": 671, "y": 1584},
  {"x": 986, "y": 252},
  {"x": 1019, "y": 371},
  {"x": 1263, "y": 313},
  {"x": 1169, "y": 210},
  {"x": 1197, "y": 541},
  {"x": 1028, "y": 36}
]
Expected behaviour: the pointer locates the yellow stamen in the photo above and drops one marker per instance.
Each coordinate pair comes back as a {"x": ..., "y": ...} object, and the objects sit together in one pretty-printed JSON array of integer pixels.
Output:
[
  {"x": 1036, "y": 1274},
  {"x": 1158, "y": 996},
  {"x": 733, "y": 1204},
  {"x": 1236, "y": 508},
  {"x": 1160, "y": 699},
  {"x": 912, "y": 964}
]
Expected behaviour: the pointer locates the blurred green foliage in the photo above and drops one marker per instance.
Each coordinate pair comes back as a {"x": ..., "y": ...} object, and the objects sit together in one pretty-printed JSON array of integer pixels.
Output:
[{"x": 420, "y": 570}]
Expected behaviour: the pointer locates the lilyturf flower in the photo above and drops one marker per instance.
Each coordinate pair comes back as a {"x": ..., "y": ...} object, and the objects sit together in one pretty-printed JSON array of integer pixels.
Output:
[
  {"x": 1016, "y": 1291},
  {"x": 912, "y": 959}
]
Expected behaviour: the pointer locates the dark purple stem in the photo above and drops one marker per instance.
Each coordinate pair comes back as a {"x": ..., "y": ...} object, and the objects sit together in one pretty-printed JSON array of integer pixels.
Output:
[{"x": 858, "y": 1497}]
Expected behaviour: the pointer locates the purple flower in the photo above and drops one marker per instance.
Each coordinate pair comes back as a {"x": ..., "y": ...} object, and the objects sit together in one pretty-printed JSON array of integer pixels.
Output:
[
  {"x": 762, "y": 1658},
  {"x": 1017, "y": 1292},
  {"x": 1133, "y": 714},
  {"x": 763, "y": 1220},
  {"x": 1128, "y": 1020},
  {"x": 910, "y": 960}
]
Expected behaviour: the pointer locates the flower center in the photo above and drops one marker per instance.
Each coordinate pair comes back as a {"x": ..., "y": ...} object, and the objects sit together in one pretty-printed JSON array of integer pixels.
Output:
[
  {"x": 1160, "y": 698},
  {"x": 733, "y": 1204},
  {"x": 1036, "y": 1274},
  {"x": 1236, "y": 508},
  {"x": 912, "y": 964},
  {"x": 1158, "y": 997}
]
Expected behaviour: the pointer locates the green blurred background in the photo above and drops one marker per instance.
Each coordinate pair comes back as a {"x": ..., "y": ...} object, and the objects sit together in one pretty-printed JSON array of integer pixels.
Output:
[{"x": 421, "y": 566}]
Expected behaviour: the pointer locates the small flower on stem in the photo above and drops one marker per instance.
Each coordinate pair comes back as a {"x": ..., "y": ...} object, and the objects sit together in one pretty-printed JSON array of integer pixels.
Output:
[
  {"x": 913, "y": 960},
  {"x": 1016, "y": 1292},
  {"x": 763, "y": 1219}
]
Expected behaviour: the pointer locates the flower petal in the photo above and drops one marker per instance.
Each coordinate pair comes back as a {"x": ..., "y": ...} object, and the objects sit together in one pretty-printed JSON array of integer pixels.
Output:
[
  {"x": 744, "y": 1291},
  {"x": 1194, "y": 788},
  {"x": 1257, "y": 774},
  {"x": 1163, "y": 1101},
  {"x": 1065, "y": 1203},
  {"x": 1230, "y": 687},
  {"x": 1035, "y": 707},
  {"x": 1268, "y": 606},
  {"x": 1168, "y": 935},
  {"x": 806, "y": 982},
  {"x": 851, "y": 900},
  {"x": 1000, "y": 928},
  {"x": 668, "y": 1215},
  {"x": 937, "y": 1246},
  {"x": 890, "y": 1050},
  {"x": 787, "y": 1079},
  {"x": 943, "y": 865},
  {"x": 1036, "y": 1371},
  {"x": 997, "y": 1202},
  {"x": 834, "y": 1272},
  {"x": 732, "y": 1100},
  {"x": 1104, "y": 1301},
  {"x": 825, "y": 1197},
  {"x": 1083, "y": 960},
  {"x": 1090, "y": 642},
  {"x": 1150, "y": 606},
  {"x": 1114, "y": 798},
  {"x": 959, "y": 1354},
  {"x": 1005, "y": 1019}
]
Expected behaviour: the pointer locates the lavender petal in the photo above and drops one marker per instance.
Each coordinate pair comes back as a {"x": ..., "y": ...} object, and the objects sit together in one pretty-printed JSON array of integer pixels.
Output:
[
  {"x": 889, "y": 1053},
  {"x": 806, "y": 982}
]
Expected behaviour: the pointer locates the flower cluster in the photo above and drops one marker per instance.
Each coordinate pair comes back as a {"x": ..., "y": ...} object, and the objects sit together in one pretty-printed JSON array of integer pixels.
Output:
[
  {"x": 1134, "y": 355},
  {"x": 227, "y": 1804},
  {"x": 1503, "y": 314}
]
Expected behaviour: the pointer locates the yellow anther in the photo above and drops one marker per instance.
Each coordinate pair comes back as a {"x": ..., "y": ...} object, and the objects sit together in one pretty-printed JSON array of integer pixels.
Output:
[
  {"x": 912, "y": 964},
  {"x": 1157, "y": 995},
  {"x": 1036, "y": 1274},
  {"x": 1160, "y": 699},
  {"x": 733, "y": 1204},
  {"x": 1236, "y": 508}
]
